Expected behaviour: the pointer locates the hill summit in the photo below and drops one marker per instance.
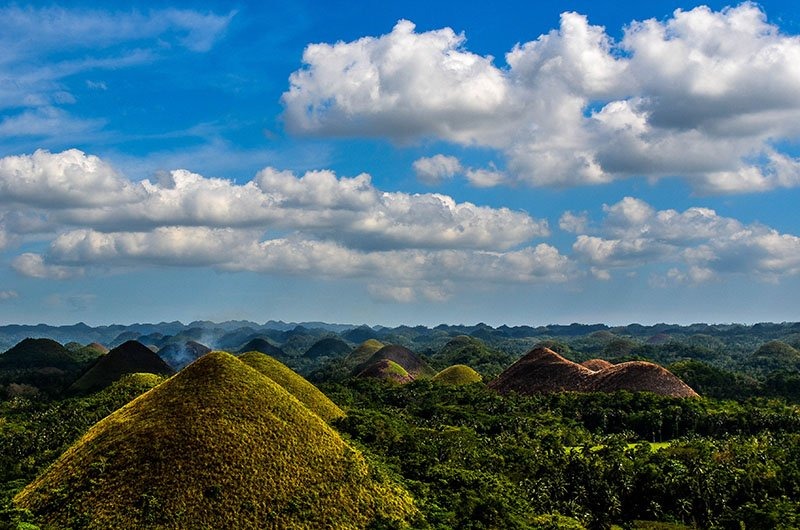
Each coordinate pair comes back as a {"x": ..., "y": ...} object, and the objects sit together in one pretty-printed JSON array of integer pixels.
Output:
[
  {"x": 219, "y": 445},
  {"x": 543, "y": 370},
  {"x": 294, "y": 383},
  {"x": 127, "y": 358},
  {"x": 458, "y": 374}
]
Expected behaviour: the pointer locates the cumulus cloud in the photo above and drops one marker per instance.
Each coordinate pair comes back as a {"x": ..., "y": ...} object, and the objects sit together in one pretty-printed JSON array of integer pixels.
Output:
[
  {"x": 704, "y": 95},
  {"x": 436, "y": 169},
  {"x": 316, "y": 224},
  {"x": 574, "y": 222},
  {"x": 700, "y": 244},
  {"x": 485, "y": 177}
]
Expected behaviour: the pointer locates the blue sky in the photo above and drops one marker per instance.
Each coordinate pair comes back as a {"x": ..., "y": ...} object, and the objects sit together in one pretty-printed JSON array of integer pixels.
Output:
[{"x": 418, "y": 163}]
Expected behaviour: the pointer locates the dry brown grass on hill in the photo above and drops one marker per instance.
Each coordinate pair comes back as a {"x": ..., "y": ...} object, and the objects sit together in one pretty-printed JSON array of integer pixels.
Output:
[
  {"x": 597, "y": 364},
  {"x": 412, "y": 364},
  {"x": 639, "y": 376},
  {"x": 542, "y": 370}
]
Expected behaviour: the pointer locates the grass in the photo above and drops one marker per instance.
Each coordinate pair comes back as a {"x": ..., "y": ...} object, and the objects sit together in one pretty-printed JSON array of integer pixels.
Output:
[
  {"x": 458, "y": 374},
  {"x": 654, "y": 446},
  {"x": 219, "y": 445},
  {"x": 295, "y": 384},
  {"x": 130, "y": 357}
]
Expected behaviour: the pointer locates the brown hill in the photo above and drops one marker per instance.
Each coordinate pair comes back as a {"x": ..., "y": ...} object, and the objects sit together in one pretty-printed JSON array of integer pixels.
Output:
[
  {"x": 596, "y": 365},
  {"x": 639, "y": 376},
  {"x": 219, "y": 445},
  {"x": 128, "y": 358},
  {"x": 541, "y": 370},
  {"x": 412, "y": 364},
  {"x": 364, "y": 351},
  {"x": 386, "y": 370}
]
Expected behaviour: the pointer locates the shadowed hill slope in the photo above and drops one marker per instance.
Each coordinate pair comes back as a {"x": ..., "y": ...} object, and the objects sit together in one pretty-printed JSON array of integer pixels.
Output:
[
  {"x": 295, "y": 384},
  {"x": 328, "y": 347},
  {"x": 127, "y": 358},
  {"x": 263, "y": 346},
  {"x": 217, "y": 446},
  {"x": 178, "y": 355},
  {"x": 364, "y": 351},
  {"x": 458, "y": 374},
  {"x": 412, "y": 364},
  {"x": 386, "y": 370},
  {"x": 38, "y": 353}
]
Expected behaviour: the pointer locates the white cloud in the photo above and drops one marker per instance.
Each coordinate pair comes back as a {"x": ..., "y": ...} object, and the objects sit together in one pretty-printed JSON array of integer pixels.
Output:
[
  {"x": 34, "y": 266},
  {"x": 314, "y": 224},
  {"x": 699, "y": 244},
  {"x": 704, "y": 95},
  {"x": 574, "y": 222},
  {"x": 8, "y": 295},
  {"x": 485, "y": 177},
  {"x": 436, "y": 169}
]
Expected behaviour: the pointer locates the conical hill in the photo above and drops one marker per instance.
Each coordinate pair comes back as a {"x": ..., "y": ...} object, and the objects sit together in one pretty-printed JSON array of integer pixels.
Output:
[
  {"x": 541, "y": 370},
  {"x": 412, "y": 364},
  {"x": 458, "y": 374},
  {"x": 219, "y": 445},
  {"x": 364, "y": 351},
  {"x": 386, "y": 370},
  {"x": 294, "y": 383},
  {"x": 597, "y": 364},
  {"x": 263, "y": 346},
  {"x": 639, "y": 376},
  {"x": 328, "y": 347},
  {"x": 38, "y": 353},
  {"x": 127, "y": 358},
  {"x": 179, "y": 354}
]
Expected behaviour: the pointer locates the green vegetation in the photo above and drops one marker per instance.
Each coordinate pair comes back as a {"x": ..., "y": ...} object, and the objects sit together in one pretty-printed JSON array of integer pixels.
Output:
[
  {"x": 386, "y": 370},
  {"x": 219, "y": 445},
  {"x": 130, "y": 357},
  {"x": 457, "y": 374},
  {"x": 307, "y": 393}
]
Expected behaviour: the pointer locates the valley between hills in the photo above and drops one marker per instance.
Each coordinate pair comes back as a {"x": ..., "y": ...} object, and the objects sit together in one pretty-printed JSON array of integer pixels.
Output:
[{"x": 315, "y": 425}]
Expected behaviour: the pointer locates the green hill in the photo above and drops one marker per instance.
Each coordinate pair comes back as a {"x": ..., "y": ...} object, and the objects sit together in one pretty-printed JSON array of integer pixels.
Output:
[
  {"x": 130, "y": 357},
  {"x": 364, "y": 351},
  {"x": 386, "y": 370},
  {"x": 470, "y": 351},
  {"x": 38, "y": 353},
  {"x": 775, "y": 355},
  {"x": 458, "y": 374},
  {"x": 263, "y": 346},
  {"x": 219, "y": 445},
  {"x": 328, "y": 347},
  {"x": 410, "y": 362},
  {"x": 295, "y": 384}
]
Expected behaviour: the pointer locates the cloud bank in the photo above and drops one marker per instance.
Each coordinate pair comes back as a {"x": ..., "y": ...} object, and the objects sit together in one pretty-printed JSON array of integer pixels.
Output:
[{"x": 707, "y": 96}]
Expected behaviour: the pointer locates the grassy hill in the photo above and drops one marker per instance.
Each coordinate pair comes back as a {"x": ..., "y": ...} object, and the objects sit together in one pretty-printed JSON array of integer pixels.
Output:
[
  {"x": 472, "y": 352},
  {"x": 127, "y": 358},
  {"x": 263, "y": 346},
  {"x": 38, "y": 353},
  {"x": 295, "y": 384},
  {"x": 386, "y": 370},
  {"x": 328, "y": 347},
  {"x": 458, "y": 374},
  {"x": 179, "y": 354},
  {"x": 404, "y": 357},
  {"x": 217, "y": 446},
  {"x": 364, "y": 351}
]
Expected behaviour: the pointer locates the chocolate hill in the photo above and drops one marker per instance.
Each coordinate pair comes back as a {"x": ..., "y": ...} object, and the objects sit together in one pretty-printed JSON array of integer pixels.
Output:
[
  {"x": 217, "y": 446},
  {"x": 404, "y": 357},
  {"x": 178, "y": 355},
  {"x": 263, "y": 346},
  {"x": 543, "y": 370},
  {"x": 639, "y": 376},
  {"x": 127, "y": 358},
  {"x": 294, "y": 383},
  {"x": 328, "y": 347},
  {"x": 364, "y": 351},
  {"x": 596, "y": 365},
  {"x": 38, "y": 353},
  {"x": 458, "y": 374},
  {"x": 386, "y": 370}
]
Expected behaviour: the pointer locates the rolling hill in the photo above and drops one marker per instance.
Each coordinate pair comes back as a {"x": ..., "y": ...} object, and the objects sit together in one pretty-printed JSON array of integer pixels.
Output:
[
  {"x": 178, "y": 355},
  {"x": 217, "y": 446},
  {"x": 263, "y": 346},
  {"x": 127, "y": 358},
  {"x": 386, "y": 370},
  {"x": 458, "y": 374},
  {"x": 328, "y": 347},
  {"x": 404, "y": 357},
  {"x": 295, "y": 384}
]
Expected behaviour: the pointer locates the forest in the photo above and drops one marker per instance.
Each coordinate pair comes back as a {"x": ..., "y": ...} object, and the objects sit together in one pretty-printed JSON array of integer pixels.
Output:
[{"x": 473, "y": 457}]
